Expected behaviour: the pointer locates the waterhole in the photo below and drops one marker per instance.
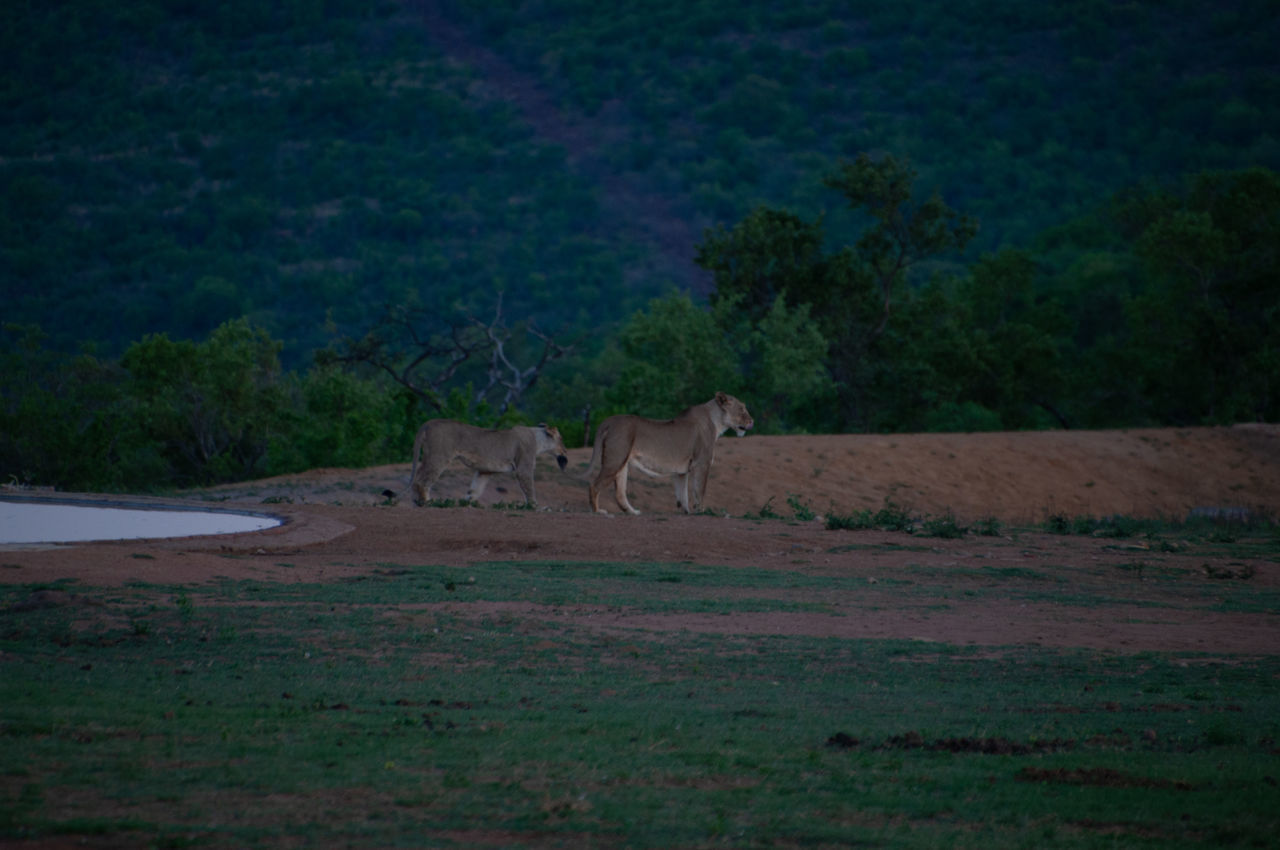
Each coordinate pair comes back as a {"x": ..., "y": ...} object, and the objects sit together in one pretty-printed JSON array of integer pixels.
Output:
[{"x": 47, "y": 521}]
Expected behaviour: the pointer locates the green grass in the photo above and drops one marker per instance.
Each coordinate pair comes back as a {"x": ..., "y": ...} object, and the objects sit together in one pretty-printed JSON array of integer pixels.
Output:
[{"x": 362, "y": 713}]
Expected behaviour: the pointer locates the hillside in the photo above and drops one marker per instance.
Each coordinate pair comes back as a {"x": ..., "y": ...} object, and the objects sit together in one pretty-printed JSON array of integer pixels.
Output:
[{"x": 166, "y": 166}]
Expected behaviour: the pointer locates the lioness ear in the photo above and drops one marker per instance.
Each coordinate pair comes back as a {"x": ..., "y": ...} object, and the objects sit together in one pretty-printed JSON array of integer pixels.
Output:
[{"x": 721, "y": 397}]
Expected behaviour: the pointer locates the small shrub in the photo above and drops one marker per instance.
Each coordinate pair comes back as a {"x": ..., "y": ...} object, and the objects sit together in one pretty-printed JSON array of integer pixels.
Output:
[
  {"x": 1242, "y": 572},
  {"x": 944, "y": 526},
  {"x": 186, "y": 608},
  {"x": 893, "y": 517},
  {"x": 802, "y": 512},
  {"x": 856, "y": 521},
  {"x": 1084, "y": 525},
  {"x": 1115, "y": 526},
  {"x": 510, "y": 506},
  {"x": 1119, "y": 527},
  {"x": 1057, "y": 524},
  {"x": 450, "y": 503},
  {"x": 766, "y": 511},
  {"x": 987, "y": 527}
]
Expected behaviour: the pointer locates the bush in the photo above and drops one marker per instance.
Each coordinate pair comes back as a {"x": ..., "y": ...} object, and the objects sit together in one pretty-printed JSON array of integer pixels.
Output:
[
  {"x": 893, "y": 517},
  {"x": 800, "y": 510},
  {"x": 856, "y": 521},
  {"x": 987, "y": 527},
  {"x": 943, "y": 526}
]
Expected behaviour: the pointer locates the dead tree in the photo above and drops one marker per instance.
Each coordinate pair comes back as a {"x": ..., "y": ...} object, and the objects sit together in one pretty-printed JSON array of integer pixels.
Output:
[
  {"x": 516, "y": 381},
  {"x": 425, "y": 353}
]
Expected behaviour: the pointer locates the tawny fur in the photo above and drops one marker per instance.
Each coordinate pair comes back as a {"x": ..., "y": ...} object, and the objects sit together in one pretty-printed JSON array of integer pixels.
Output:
[
  {"x": 683, "y": 447},
  {"x": 487, "y": 451}
]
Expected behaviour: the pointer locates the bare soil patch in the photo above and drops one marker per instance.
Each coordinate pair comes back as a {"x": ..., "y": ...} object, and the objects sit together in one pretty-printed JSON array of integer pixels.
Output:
[{"x": 341, "y": 524}]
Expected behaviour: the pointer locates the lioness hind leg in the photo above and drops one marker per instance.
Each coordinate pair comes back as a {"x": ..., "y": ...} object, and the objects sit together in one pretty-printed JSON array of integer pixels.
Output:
[
  {"x": 620, "y": 491},
  {"x": 479, "y": 481},
  {"x": 423, "y": 483}
]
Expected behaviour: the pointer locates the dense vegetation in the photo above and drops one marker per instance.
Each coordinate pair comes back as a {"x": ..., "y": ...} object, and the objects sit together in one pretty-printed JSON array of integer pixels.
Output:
[{"x": 913, "y": 216}]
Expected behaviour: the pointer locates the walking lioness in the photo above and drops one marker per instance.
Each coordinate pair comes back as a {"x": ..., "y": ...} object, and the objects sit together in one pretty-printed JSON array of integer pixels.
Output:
[
  {"x": 683, "y": 447},
  {"x": 485, "y": 450}
]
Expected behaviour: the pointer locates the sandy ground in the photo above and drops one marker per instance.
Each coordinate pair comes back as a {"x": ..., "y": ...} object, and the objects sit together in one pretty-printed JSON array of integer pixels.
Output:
[
  {"x": 340, "y": 522},
  {"x": 1020, "y": 477}
]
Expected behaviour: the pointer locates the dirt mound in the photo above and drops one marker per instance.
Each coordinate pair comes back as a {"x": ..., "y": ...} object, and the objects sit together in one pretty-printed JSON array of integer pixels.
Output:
[{"x": 1014, "y": 477}]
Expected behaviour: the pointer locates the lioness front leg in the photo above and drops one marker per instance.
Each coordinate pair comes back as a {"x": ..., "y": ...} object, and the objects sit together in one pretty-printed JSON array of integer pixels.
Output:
[
  {"x": 697, "y": 485},
  {"x": 682, "y": 492},
  {"x": 526, "y": 486}
]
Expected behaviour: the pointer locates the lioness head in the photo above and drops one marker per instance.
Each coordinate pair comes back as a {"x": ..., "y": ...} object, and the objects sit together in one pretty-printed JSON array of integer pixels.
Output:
[
  {"x": 549, "y": 441},
  {"x": 735, "y": 413}
]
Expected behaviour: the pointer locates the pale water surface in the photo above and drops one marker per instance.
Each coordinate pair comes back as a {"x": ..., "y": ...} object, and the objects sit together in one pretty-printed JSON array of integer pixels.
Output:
[{"x": 53, "y": 522}]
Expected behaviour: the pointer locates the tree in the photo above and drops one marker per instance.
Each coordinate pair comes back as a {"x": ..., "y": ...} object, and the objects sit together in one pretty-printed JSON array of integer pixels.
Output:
[
  {"x": 429, "y": 356},
  {"x": 673, "y": 355},
  {"x": 903, "y": 234},
  {"x": 208, "y": 410},
  {"x": 61, "y": 415},
  {"x": 338, "y": 418},
  {"x": 782, "y": 360},
  {"x": 767, "y": 254},
  {"x": 1016, "y": 340},
  {"x": 1205, "y": 330},
  {"x": 856, "y": 294}
]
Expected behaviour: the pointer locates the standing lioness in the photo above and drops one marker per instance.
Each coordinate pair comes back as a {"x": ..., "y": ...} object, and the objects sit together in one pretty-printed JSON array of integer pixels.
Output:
[
  {"x": 485, "y": 450},
  {"x": 683, "y": 447}
]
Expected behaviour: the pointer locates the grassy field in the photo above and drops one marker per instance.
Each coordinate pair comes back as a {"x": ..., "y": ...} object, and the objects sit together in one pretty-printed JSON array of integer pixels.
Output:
[{"x": 380, "y": 712}]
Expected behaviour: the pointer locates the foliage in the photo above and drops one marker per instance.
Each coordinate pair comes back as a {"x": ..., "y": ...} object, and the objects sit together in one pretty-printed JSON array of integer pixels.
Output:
[
  {"x": 325, "y": 172},
  {"x": 890, "y": 517},
  {"x": 429, "y": 358},
  {"x": 944, "y": 526},
  {"x": 781, "y": 358},
  {"x": 856, "y": 521},
  {"x": 178, "y": 414},
  {"x": 338, "y": 419},
  {"x": 879, "y": 330},
  {"x": 182, "y": 171},
  {"x": 989, "y": 349},
  {"x": 187, "y": 164},
  {"x": 62, "y": 418},
  {"x": 1015, "y": 340},
  {"x": 801, "y": 510},
  {"x": 208, "y": 410},
  {"x": 1206, "y": 328},
  {"x": 675, "y": 355}
]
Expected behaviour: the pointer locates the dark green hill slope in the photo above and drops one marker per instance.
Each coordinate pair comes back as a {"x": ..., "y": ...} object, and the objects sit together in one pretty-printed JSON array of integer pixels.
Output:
[{"x": 167, "y": 165}]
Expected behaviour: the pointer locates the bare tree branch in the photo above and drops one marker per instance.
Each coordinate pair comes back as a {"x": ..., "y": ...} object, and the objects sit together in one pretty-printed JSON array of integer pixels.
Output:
[{"x": 419, "y": 351}]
